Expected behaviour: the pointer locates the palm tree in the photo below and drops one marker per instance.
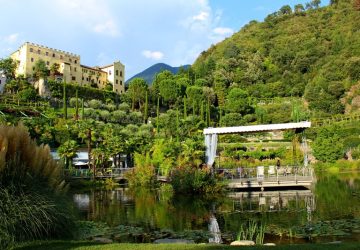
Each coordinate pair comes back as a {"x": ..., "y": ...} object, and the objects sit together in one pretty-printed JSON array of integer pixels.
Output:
[{"x": 67, "y": 152}]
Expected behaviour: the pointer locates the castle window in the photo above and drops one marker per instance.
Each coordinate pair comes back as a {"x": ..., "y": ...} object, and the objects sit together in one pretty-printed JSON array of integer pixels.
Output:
[
  {"x": 73, "y": 78},
  {"x": 120, "y": 82},
  {"x": 31, "y": 49},
  {"x": 48, "y": 63},
  {"x": 39, "y": 51},
  {"x": 32, "y": 59},
  {"x": 75, "y": 69},
  {"x": 120, "y": 73},
  {"x": 83, "y": 78},
  {"x": 116, "y": 81},
  {"x": 61, "y": 57},
  {"x": 70, "y": 60},
  {"x": 117, "y": 72},
  {"x": 53, "y": 54},
  {"x": 75, "y": 61},
  {"x": 46, "y": 53}
]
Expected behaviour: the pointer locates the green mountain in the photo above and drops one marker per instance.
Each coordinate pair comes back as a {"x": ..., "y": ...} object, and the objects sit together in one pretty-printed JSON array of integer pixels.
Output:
[
  {"x": 311, "y": 52},
  {"x": 149, "y": 73}
]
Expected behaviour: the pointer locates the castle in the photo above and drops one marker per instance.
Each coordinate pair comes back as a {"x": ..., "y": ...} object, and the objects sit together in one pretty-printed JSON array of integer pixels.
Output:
[{"x": 70, "y": 68}]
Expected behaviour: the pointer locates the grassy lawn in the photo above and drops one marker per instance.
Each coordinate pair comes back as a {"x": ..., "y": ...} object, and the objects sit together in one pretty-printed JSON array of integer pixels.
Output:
[{"x": 82, "y": 245}]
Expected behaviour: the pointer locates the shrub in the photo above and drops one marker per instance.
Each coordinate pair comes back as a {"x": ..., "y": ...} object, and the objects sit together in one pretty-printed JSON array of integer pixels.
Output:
[
  {"x": 95, "y": 104},
  {"x": 124, "y": 107},
  {"x": 73, "y": 102},
  {"x": 143, "y": 174},
  {"x": 32, "y": 201},
  {"x": 192, "y": 180}
]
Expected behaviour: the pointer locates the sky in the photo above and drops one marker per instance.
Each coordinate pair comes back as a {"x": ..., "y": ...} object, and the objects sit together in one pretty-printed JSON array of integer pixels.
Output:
[{"x": 139, "y": 33}]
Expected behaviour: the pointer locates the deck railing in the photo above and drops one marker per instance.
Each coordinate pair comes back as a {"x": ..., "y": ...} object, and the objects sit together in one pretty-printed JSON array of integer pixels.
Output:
[
  {"x": 100, "y": 173},
  {"x": 267, "y": 172}
]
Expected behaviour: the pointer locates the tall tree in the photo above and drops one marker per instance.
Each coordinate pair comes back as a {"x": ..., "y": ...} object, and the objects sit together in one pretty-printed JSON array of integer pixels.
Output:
[
  {"x": 286, "y": 10},
  {"x": 137, "y": 91},
  {"x": 77, "y": 104},
  {"x": 40, "y": 69},
  {"x": 64, "y": 101},
  {"x": 299, "y": 8},
  {"x": 54, "y": 70},
  {"x": 146, "y": 108},
  {"x": 8, "y": 68},
  {"x": 67, "y": 152}
]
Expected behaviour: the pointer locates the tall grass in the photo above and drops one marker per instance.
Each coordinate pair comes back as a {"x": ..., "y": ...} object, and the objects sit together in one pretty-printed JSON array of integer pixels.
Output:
[
  {"x": 32, "y": 200},
  {"x": 252, "y": 231}
]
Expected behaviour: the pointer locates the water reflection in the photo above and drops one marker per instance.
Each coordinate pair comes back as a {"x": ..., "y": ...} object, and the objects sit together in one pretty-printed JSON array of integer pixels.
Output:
[
  {"x": 272, "y": 201},
  {"x": 334, "y": 197}
]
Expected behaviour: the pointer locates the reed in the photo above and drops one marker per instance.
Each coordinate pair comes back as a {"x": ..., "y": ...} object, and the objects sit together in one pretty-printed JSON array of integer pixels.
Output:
[{"x": 252, "y": 230}]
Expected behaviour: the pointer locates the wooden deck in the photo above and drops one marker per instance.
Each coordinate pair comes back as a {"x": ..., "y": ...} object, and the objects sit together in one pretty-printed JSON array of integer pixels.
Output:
[
  {"x": 269, "y": 177},
  {"x": 272, "y": 182}
]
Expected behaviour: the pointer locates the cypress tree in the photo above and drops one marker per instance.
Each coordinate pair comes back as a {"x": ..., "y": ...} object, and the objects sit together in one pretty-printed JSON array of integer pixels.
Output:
[
  {"x": 177, "y": 124},
  {"x": 64, "y": 100},
  {"x": 157, "y": 114},
  {"x": 202, "y": 111},
  {"x": 77, "y": 104},
  {"x": 208, "y": 113},
  {"x": 82, "y": 108},
  {"x": 146, "y": 108},
  {"x": 185, "y": 111}
]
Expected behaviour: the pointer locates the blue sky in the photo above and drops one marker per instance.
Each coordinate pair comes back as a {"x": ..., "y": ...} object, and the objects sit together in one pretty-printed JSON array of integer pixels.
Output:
[{"x": 139, "y": 33}]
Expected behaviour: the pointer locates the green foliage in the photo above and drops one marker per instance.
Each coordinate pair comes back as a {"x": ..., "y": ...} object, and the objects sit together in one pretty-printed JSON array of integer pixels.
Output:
[
  {"x": 87, "y": 93},
  {"x": 192, "y": 180},
  {"x": 283, "y": 57},
  {"x": 8, "y": 67},
  {"x": 67, "y": 152},
  {"x": 95, "y": 104},
  {"x": 328, "y": 145},
  {"x": 40, "y": 69},
  {"x": 28, "y": 94},
  {"x": 237, "y": 102},
  {"x": 137, "y": 92},
  {"x": 252, "y": 230},
  {"x": 143, "y": 173}
]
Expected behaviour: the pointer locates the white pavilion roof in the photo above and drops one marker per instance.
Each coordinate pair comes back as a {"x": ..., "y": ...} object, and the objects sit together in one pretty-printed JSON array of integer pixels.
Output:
[{"x": 257, "y": 128}]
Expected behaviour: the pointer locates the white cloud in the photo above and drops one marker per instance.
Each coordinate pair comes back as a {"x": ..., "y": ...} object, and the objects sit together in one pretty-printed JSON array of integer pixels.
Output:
[
  {"x": 108, "y": 27},
  {"x": 202, "y": 16},
  {"x": 223, "y": 31},
  {"x": 155, "y": 55},
  {"x": 94, "y": 15},
  {"x": 12, "y": 38}
]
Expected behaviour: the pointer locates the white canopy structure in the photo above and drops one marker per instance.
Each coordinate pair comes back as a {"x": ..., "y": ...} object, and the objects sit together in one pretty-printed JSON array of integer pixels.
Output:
[
  {"x": 257, "y": 128},
  {"x": 211, "y": 135}
]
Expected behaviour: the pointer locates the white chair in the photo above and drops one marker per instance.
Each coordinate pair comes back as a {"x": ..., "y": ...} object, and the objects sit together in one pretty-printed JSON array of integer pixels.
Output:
[
  {"x": 271, "y": 170},
  {"x": 260, "y": 172}
]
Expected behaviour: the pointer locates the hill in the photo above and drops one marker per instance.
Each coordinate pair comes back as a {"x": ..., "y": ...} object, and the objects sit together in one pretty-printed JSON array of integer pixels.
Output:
[
  {"x": 311, "y": 52},
  {"x": 149, "y": 73}
]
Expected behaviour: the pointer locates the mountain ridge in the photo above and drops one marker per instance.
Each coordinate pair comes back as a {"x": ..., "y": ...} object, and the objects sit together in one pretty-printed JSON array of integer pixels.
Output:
[{"x": 149, "y": 73}]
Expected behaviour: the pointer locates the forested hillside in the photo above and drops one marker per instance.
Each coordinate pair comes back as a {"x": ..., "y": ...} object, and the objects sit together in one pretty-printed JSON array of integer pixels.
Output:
[
  {"x": 304, "y": 51},
  {"x": 149, "y": 74}
]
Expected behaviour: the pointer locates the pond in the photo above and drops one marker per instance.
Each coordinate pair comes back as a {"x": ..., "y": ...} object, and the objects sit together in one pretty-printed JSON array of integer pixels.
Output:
[{"x": 329, "y": 211}]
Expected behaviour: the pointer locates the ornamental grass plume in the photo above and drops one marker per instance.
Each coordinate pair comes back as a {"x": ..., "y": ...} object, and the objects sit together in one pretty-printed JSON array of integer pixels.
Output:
[
  {"x": 21, "y": 160},
  {"x": 32, "y": 201}
]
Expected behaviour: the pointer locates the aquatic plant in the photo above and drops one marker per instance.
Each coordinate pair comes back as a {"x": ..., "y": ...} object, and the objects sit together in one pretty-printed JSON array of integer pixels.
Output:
[{"x": 252, "y": 230}]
